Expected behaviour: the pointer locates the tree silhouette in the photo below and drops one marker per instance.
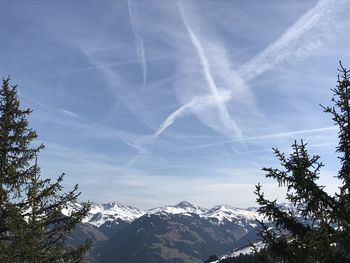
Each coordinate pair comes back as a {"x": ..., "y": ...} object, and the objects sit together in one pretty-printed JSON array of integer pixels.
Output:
[
  {"x": 32, "y": 227},
  {"x": 321, "y": 232}
]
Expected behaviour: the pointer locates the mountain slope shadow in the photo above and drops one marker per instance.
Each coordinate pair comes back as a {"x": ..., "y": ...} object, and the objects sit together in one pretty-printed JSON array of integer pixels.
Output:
[{"x": 168, "y": 238}]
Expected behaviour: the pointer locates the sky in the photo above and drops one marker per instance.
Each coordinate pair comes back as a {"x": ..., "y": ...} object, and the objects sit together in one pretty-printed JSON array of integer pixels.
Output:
[{"x": 154, "y": 102}]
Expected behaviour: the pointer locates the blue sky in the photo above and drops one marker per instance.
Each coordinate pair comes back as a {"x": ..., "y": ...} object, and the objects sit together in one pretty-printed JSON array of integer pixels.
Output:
[{"x": 154, "y": 102}]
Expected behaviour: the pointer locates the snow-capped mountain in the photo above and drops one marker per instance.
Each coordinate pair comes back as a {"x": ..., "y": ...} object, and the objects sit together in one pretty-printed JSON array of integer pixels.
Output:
[
  {"x": 224, "y": 213},
  {"x": 173, "y": 233},
  {"x": 184, "y": 208},
  {"x": 191, "y": 233},
  {"x": 113, "y": 211}
]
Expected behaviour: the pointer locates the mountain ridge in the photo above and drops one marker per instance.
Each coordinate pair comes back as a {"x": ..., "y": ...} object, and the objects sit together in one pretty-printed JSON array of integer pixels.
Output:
[
  {"x": 116, "y": 211},
  {"x": 180, "y": 233}
]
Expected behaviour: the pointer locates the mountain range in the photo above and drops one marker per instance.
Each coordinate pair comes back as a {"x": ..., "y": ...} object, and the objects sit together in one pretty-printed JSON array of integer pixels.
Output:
[{"x": 181, "y": 233}]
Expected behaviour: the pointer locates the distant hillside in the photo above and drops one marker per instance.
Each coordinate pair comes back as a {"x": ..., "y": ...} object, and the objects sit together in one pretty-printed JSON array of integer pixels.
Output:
[{"x": 181, "y": 233}]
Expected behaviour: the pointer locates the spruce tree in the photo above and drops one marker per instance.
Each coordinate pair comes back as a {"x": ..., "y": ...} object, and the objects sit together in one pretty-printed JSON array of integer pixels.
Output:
[
  {"x": 32, "y": 226},
  {"x": 321, "y": 231}
]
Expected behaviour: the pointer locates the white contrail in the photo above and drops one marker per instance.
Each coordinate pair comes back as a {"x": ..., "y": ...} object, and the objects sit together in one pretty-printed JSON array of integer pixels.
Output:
[
  {"x": 72, "y": 114},
  {"x": 140, "y": 49},
  {"x": 289, "y": 43},
  {"x": 285, "y": 47},
  {"x": 197, "y": 102},
  {"x": 173, "y": 116},
  {"x": 111, "y": 65},
  {"x": 223, "y": 112},
  {"x": 263, "y": 137}
]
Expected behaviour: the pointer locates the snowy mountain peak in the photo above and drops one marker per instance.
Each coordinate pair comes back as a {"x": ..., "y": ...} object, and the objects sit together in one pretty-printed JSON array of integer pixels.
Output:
[
  {"x": 184, "y": 204},
  {"x": 222, "y": 213},
  {"x": 116, "y": 206},
  {"x": 112, "y": 211},
  {"x": 184, "y": 208},
  {"x": 221, "y": 208},
  {"x": 116, "y": 212}
]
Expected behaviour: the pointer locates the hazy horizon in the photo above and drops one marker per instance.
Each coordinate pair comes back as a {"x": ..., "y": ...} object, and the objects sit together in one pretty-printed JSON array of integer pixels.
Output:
[{"x": 154, "y": 102}]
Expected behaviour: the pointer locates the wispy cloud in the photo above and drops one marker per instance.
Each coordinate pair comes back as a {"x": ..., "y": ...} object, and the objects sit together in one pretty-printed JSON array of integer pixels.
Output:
[
  {"x": 216, "y": 63},
  {"x": 168, "y": 122},
  {"x": 223, "y": 112},
  {"x": 140, "y": 49},
  {"x": 210, "y": 105},
  {"x": 34, "y": 101},
  {"x": 304, "y": 36},
  {"x": 264, "y": 137},
  {"x": 202, "y": 96},
  {"x": 173, "y": 116},
  {"x": 58, "y": 116},
  {"x": 112, "y": 65},
  {"x": 117, "y": 85},
  {"x": 72, "y": 114}
]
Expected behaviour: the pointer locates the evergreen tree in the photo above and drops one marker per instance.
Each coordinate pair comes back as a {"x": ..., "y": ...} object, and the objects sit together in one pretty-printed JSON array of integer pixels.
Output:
[
  {"x": 32, "y": 226},
  {"x": 322, "y": 232}
]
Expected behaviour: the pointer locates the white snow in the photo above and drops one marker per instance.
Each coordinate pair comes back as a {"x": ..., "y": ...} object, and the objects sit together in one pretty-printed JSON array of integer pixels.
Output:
[
  {"x": 99, "y": 214},
  {"x": 183, "y": 208},
  {"x": 102, "y": 213},
  {"x": 109, "y": 212},
  {"x": 244, "y": 250},
  {"x": 224, "y": 213},
  {"x": 218, "y": 214}
]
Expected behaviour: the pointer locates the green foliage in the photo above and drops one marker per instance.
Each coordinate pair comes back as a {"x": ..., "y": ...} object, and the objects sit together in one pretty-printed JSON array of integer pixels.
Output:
[
  {"x": 322, "y": 232},
  {"x": 32, "y": 227}
]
